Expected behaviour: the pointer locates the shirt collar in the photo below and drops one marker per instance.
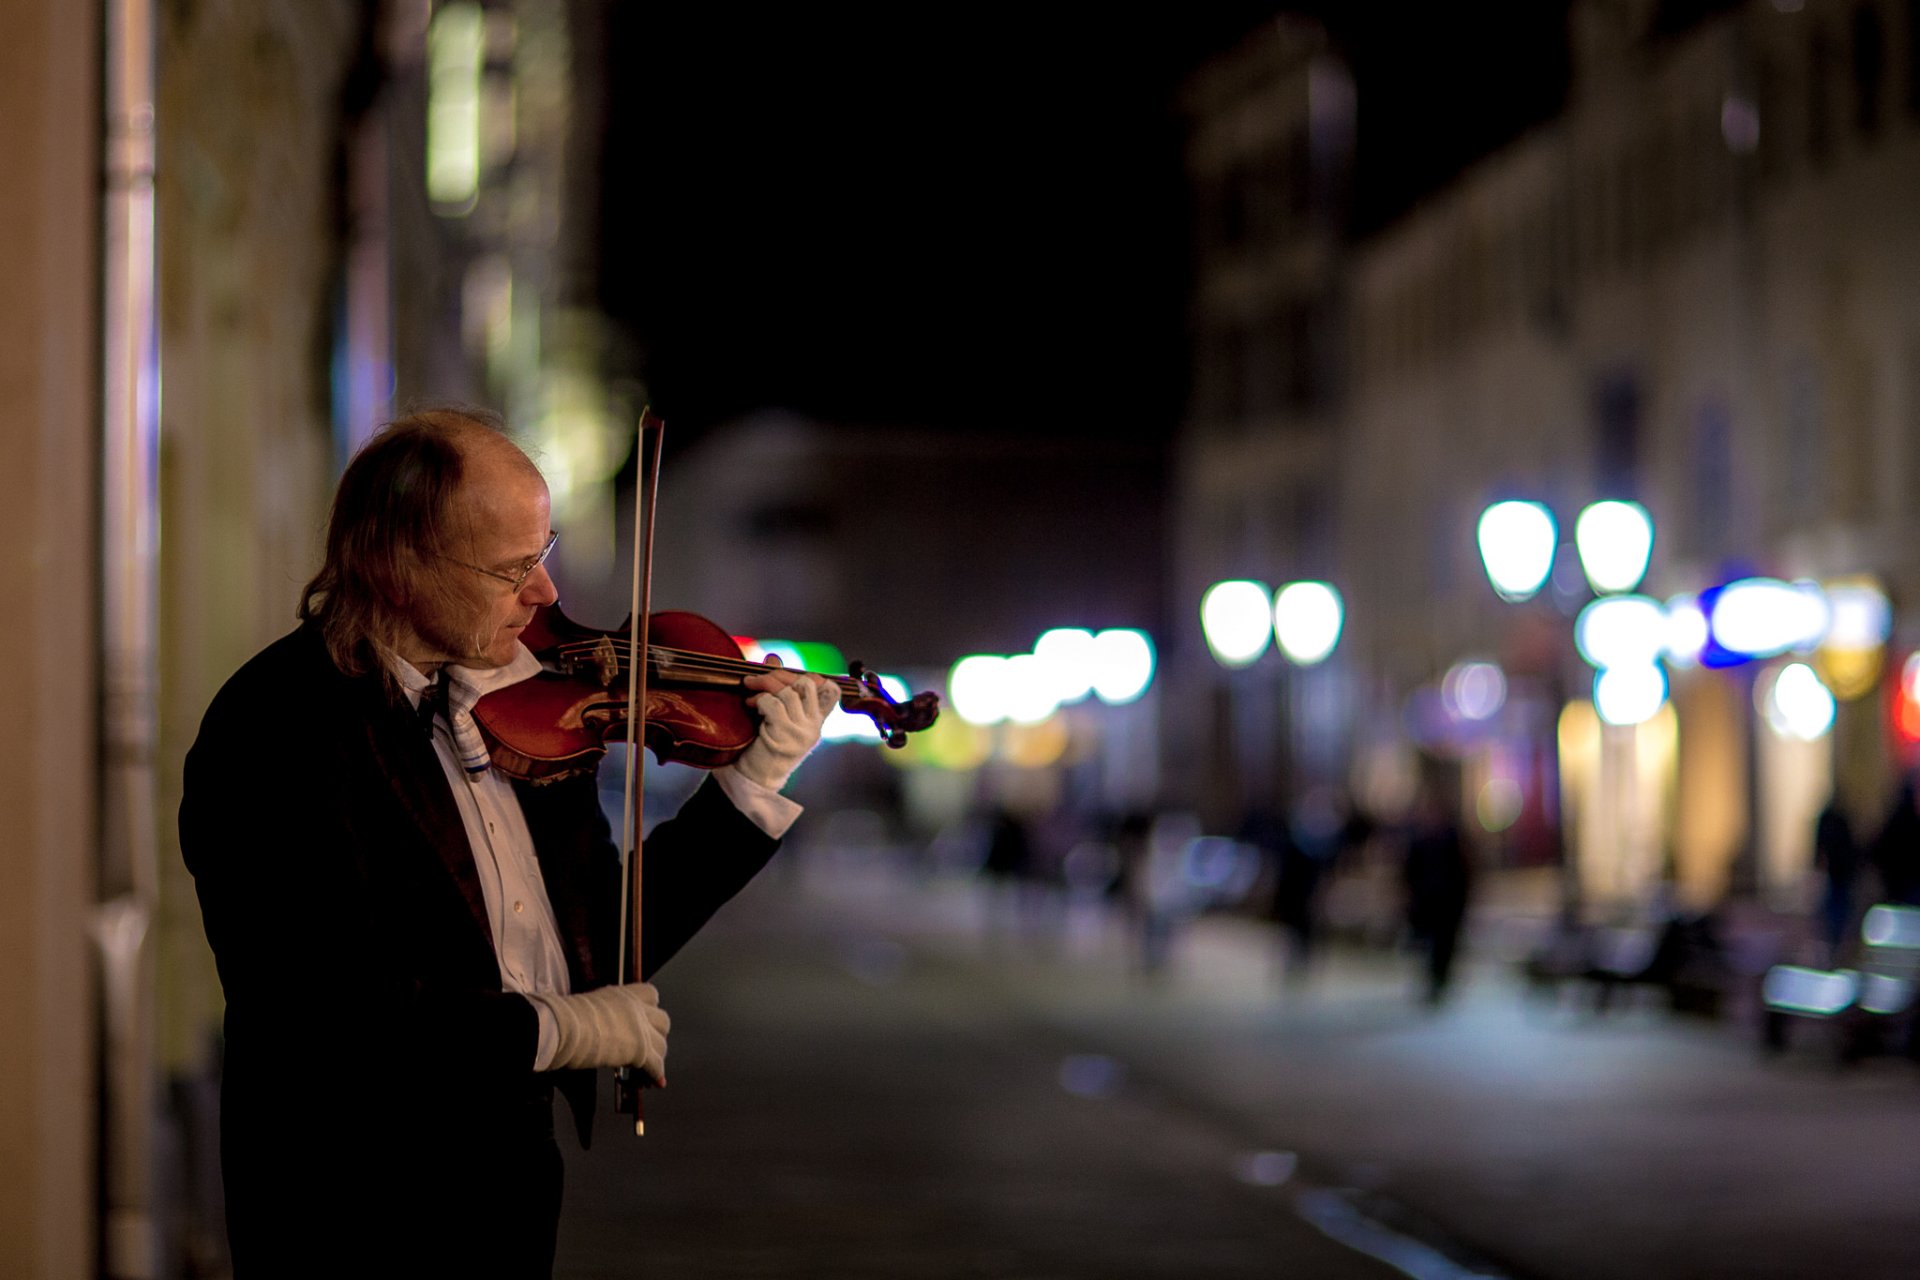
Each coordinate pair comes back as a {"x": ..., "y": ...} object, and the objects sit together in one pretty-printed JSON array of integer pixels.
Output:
[{"x": 482, "y": 680}]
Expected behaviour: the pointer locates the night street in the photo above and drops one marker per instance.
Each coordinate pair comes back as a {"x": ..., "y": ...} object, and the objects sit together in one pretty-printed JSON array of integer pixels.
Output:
[{"x": 872, "y": 1079}]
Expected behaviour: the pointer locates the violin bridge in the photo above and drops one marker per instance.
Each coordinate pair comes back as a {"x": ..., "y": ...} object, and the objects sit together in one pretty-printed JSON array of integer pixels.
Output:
[{"x": 606, "y": 662}]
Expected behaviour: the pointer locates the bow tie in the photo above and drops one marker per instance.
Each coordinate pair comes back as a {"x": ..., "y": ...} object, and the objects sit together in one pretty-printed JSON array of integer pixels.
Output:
[
  {"x": 455, "y": 705},
  {"x": 434, "y": 702}
]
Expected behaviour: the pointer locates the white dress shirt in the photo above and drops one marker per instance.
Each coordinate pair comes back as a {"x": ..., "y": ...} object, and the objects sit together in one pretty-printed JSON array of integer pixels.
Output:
[{"x": 526, "y": 936}]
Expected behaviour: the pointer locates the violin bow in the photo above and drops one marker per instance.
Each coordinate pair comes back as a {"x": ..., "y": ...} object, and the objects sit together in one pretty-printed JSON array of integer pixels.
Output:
[{"x": 628, "y": 1081}]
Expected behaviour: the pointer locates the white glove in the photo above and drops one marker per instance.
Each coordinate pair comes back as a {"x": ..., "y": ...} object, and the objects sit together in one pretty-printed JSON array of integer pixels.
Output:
[
  {"x": 611, "y": 1027},
  {"x": 790, "y": 720}
]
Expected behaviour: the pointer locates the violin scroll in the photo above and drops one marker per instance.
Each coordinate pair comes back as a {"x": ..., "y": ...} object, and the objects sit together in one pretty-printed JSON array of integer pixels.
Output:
[{"x": 894, "y": 719}]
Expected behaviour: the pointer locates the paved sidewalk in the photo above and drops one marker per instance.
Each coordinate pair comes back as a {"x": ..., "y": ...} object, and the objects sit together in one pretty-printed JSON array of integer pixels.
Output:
[
  {"x": 880, "y": 1077},
  {"x": 1561, "y": 1142}
]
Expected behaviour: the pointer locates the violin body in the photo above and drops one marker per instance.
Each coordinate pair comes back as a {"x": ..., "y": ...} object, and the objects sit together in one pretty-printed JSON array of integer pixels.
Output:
[{"x": 561, "y": 721}]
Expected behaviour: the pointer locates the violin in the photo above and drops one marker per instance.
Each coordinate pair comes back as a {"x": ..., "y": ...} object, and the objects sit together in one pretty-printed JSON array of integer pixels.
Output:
[{"x": 559, "y": 722}]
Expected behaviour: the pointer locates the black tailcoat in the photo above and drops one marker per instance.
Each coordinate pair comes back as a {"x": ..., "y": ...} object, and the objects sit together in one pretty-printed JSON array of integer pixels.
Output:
[{"x": 378, "y": 1104}]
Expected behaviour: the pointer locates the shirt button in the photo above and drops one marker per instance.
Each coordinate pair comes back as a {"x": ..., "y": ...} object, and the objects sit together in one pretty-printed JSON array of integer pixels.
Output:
[{"x": 518, "y": 907}]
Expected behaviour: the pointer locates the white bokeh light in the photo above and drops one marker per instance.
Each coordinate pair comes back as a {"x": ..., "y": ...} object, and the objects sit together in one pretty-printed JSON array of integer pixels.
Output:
[
  {"x": 1615, "y": 540},
  {"x": 977, "y": 688},
  {"x": 1237, "y": 618},
  {"x": 1474, "y": 690},
  {"x": 1307, "y": 617},
  {"x": 1517, "y": 542},
  {"x": 1029, "y": 689},
  {"x": 1686, "y": 631},
  {"x": 1621, "y": 631},
  {"x": 1629, "y": 695},
  {"x": 1122, "y": 665},
  {"x": 1798, "y": 705},
  {"x": 1761, "y": 617},
  {"x": 1068, "y": 655}
]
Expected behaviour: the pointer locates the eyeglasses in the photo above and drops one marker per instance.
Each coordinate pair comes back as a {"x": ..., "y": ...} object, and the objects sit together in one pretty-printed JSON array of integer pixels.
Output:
[{"x": 518, "y": 578}]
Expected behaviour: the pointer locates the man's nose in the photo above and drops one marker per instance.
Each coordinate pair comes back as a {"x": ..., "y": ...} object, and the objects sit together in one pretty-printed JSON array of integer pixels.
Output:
[{"x": 538, "y": 588}]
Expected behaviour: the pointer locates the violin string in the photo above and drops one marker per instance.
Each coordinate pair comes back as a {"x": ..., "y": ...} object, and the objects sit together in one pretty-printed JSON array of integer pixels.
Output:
[
  {"x": 709, "y": 664},
  {"x": 703, "y": 662}
]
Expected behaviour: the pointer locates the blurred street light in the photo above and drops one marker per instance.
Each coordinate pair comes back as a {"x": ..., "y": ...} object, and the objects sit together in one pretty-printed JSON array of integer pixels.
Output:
[
  {"x": 1629, "y": 695},
  {"x": 1763, "y": 617},
  {"x": 1070, "y": 657},
  {"x": 1797, "y": 705},
  {"x": 1615, "y": 540},
  {"x": 1122, "y": 665},
  {"x": 1621, "y": 631},
  {"x": 1517, "y": 542},
  {"x": 1237, "y": 619},
  {"x": 1686, "y": 630},
  {"x": 977, "y": 688},
  {"x": 1307, "y": 617},
  {"x": 1029, "y": 690}
]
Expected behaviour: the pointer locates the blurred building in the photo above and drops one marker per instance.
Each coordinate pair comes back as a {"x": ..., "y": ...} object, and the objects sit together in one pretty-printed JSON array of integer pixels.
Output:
[
  {"x": 246, "y": 235},
  {"x": 1690, "y": 290},
  {"x": 1269, "y": 160},
  {"x": 907, "y": 548}
]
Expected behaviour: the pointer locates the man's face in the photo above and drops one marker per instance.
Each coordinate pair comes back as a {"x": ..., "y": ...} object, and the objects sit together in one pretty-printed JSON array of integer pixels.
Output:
[{"x": 502, "y": 522}]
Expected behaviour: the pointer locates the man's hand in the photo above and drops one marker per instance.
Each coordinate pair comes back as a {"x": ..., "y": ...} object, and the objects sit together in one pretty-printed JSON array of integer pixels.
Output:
[
  {"x": 792, "y": 706},
  {"x": 611, "y": 1027}
]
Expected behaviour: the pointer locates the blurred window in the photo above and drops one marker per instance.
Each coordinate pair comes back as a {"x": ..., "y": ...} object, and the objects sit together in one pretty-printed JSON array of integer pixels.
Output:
[
  {"x": 1773, "y": 155},
  {"x": 1805, "y": 476},
  {"x": 1819, "y": 57},
  {"x": 1711, "y": 467},
  {"x": 1616, "y": 436},
  {"x": 1913, "y": 57},
  {"x": 1869, "y": 69}
]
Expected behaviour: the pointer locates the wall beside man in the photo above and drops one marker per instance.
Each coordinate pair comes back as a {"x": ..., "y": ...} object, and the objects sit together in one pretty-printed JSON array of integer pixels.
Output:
[{"x": 49, "y": 334}]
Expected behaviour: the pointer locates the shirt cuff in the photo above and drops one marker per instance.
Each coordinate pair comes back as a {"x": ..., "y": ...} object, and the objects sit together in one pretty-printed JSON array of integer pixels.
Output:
[
  {"x": 764, "y": 807},
  {"x": 549, "y": 1042}
]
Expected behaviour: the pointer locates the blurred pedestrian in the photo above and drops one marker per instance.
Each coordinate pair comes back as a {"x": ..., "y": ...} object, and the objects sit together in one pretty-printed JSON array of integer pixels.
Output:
[
  {"x": 1300, "y": 850},
  {"x": 1837, "y": 855},
  {"x": 1896, "y": 850},
  {"x": 1439, "y": 881},
  {"x": 1009, "y": 866},
  {"x": 1153, "y": 886}
]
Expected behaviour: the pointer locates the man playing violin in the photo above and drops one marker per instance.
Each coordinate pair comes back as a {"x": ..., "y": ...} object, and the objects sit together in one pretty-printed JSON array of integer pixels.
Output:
[{"x": 415, "y": 950}]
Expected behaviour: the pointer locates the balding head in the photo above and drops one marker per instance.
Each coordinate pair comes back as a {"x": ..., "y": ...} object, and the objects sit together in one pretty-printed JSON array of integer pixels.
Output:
[{"x": 420, "y": 490}]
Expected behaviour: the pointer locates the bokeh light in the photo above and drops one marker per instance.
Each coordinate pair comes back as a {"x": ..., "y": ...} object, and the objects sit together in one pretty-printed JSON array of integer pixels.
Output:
[
  {"x": 1498, "y": 804},
  {"x": 1686, "y": 630},
  {"x": 1621, "y": 631},
  {"x": 1797, "y": 705},
  {"x": 976, "y": 686},
  {"x": 1517, "y": 542},
  {"x": 1027, "y": 689},
  {"x": 1035, "y": 745},
  {"x": 1615, "y": 540},
  {"x": 1850, "y": 659},
  {"x": 1762, "y": 617},
  {"x": 1237, "y": 619},
  {"x": 1123, "y": 664},
  {"x": 1906, "y": 701},
  {"x": 1629, "y": 695},
  {"x": 1307, "y": 617},
  {"x": 1068, "y": 654},
  {"x": 1474, "y": 690}
]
